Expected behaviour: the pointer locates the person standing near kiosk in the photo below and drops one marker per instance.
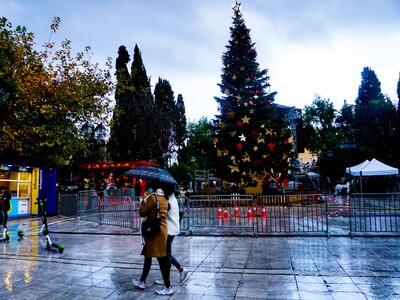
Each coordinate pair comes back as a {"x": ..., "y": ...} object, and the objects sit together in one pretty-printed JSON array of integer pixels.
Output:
[{"x": 4, "y": 208}]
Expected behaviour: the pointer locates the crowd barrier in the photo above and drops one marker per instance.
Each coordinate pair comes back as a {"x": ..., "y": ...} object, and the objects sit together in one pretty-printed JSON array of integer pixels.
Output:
[
  {"x": 374, "y": 213},
  {"x": 291, "y": 214},
  {"x": 220, "y": 214},
  {"x": 247, "y": 215},
  {"x": 67, "y": 204}
]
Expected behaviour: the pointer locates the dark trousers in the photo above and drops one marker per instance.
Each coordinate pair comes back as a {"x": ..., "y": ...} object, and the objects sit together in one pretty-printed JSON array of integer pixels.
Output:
[
  {"x": 3, "y": 218},
  {"x": 165, "y": 267},
  {"x": 172, "y": 259}
]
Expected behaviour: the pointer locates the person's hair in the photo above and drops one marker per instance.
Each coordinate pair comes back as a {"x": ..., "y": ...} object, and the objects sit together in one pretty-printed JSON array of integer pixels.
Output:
[{"x": 166, "y": 187}]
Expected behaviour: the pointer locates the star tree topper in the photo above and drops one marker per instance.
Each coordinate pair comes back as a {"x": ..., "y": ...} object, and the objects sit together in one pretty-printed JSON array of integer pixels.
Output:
[{"x": 236, "y": 7}]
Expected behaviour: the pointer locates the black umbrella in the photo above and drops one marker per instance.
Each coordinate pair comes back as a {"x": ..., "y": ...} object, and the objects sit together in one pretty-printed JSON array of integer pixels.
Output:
[{"x": 151, "y": 173}]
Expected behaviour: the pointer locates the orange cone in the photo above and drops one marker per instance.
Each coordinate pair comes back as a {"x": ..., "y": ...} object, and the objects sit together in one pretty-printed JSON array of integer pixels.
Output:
[
  {"x": 219, "y": 212},
  {"x": 263, "y": 212},
  {"x": 236, "y": 213},
  {"x": 226, "y": 214},
  {"x": 255, "y": 209},
  {"x": 249, "y": 214}
]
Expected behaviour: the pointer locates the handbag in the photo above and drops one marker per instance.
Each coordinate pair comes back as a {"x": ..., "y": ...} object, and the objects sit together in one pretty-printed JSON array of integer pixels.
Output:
[{"x": 150, "y": 227}]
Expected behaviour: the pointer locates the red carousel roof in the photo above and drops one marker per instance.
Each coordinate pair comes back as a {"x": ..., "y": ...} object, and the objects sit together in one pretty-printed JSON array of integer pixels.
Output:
[{"x": 124, "y": 164}]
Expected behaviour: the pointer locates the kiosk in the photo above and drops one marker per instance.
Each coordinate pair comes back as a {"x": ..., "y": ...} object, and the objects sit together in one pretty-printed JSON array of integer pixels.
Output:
[{"x": 27, "y": 179}]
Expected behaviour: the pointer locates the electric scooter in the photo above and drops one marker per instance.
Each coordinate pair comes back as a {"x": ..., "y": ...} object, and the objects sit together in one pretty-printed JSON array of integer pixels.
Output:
[
  {"x": 6, "y": 236},
  {"x": 45, "y": 229}
]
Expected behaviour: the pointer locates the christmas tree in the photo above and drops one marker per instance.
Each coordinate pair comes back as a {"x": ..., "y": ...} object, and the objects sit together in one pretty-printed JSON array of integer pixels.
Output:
[{"x": 252, "y": 135}]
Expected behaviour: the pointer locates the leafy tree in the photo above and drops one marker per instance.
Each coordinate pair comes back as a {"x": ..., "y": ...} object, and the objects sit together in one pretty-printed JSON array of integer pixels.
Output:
[
  {"x": 250, "y": 135},
  {"x": 321, "y": 133},
  {"x": 200, "y": 145},
  {"x": 319, "y": 125},
  {"x": 46, "y": 94},
  {"x": 199, "y": 152}
]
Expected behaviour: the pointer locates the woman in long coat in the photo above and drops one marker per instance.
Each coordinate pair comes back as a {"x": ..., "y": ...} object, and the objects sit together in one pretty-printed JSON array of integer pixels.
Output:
[{"x": 155, "y": 246}]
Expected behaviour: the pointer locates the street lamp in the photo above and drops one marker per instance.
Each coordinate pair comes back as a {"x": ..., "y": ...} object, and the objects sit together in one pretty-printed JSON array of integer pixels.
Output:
[{"x": 93, "y": 134}]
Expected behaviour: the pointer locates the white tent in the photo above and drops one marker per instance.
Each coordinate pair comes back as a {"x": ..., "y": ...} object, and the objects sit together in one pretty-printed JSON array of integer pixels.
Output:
[
  {"x": 356, "y": 169},
  {"x": 371, "y": 168}
]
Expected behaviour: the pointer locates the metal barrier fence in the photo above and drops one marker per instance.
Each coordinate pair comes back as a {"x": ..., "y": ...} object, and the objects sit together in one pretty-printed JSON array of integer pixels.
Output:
[
  {"x": 375, "y": 213},
  {"x": 89, "y": 206},
  {"x": 119, "y": 211},
  {"x": 245, "y": 215},
  {"x": 219, "y": 214},
  {"x": 67, "y": 204},
  {"x": 119, "y": 192},
  {"x": 291, "y": 214},
  {"x": 109, "y": 210}
]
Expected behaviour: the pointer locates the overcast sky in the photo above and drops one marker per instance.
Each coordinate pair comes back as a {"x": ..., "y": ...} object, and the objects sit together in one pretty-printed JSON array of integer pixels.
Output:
[{"x": 309, "y": 46}]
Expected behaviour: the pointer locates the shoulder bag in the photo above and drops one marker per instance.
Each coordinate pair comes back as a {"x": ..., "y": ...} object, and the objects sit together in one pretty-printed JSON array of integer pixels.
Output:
[{"x": 150, "y": 227}]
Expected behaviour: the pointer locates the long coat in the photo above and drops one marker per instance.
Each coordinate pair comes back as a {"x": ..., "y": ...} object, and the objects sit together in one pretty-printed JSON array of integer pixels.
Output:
[
  {"x": 5, "y": 201},
  {"x": 155, "y": 246}
]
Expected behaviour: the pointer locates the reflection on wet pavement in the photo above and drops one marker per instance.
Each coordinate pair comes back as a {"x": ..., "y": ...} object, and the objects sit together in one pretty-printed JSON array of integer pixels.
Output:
[{"x": 99, "y": 262}]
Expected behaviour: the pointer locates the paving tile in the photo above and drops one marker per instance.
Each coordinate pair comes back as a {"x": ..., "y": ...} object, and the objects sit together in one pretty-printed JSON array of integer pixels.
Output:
[{"x": 99, "y": 262}]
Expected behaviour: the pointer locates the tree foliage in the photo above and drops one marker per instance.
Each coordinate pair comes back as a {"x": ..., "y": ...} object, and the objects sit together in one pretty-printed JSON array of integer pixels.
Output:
[
  {"x": 319, "y": 120},
  {"x": 251, "y": 136},
  {"x": 374, "y": 119},
  {"x": 200, "y": 145},
  {"x": 369, "y": 129},
  {"x": 144, "y": 126},
  {"x": 47, "y": 94},
  {"x": 370, "y": 87},
  {"x": 322, "y": 133},
  {"x": 199, "y": 153},
  {"x": 132, "y": 132},
  {"x": 179, "y": 124}
]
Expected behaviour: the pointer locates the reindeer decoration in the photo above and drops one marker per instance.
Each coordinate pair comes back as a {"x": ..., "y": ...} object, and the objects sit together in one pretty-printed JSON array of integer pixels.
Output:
[{"x": 261, "y": 179}]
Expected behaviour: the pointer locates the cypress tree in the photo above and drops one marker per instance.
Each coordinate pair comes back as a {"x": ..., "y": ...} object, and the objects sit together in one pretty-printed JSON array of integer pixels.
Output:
[
  {"x": 132, "y": 131},
  {"x": 179, "y": 126},
  {"x": 370, "y": 87}
]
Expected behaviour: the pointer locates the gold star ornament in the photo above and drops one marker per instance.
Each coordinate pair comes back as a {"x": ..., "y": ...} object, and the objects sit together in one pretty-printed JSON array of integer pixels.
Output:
[{"x": 236, "y": 7}]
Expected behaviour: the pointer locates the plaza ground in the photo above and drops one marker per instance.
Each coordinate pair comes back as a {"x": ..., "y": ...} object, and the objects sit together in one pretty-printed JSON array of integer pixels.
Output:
[{"x": 99, "y": 262}]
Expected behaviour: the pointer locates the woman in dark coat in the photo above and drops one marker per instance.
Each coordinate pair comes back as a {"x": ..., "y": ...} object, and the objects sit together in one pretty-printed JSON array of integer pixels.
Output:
[{"x": 155, "y": 246}]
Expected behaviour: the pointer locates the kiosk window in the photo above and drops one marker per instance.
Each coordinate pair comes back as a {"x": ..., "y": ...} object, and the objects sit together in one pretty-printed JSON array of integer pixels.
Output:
[{"x": 18, "y": 183}]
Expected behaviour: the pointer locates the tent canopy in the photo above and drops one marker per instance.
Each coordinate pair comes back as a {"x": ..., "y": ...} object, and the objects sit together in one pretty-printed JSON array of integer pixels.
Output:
[{"x": 372, "y": 168}]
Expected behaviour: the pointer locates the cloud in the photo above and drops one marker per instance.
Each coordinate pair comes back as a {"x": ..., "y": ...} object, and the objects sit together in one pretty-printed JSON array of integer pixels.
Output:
[{"x": 309, "y": 46}]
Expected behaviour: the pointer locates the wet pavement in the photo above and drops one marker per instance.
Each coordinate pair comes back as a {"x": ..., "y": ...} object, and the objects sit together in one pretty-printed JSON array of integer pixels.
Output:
[{"x": 99, "y": 262}]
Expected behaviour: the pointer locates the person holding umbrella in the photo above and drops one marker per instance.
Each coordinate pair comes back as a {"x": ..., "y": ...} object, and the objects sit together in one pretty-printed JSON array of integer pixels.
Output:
[
  {"x": 173, "y": 220},
  {"x": 155, "y": 246}
]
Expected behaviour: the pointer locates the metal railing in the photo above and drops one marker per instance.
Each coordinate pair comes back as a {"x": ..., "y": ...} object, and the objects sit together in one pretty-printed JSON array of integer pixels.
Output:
[
  {"x": 290, "y": 214},
  {"x": 304, "y": 214},
  {"x": 375, "y": 213},
  {"x": 120, "y": 211},
  {"x": 67, "y": 204},
  {"x": 220, "y": 214}
]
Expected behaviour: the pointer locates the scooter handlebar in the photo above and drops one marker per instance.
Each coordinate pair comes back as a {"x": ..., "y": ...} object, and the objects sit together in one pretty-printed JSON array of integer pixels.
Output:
[{"x": 39, "y": 199}]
